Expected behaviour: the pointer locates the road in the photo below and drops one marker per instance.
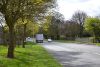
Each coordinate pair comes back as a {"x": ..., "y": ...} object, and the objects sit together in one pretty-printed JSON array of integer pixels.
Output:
[{"x": 74, "y": 55}]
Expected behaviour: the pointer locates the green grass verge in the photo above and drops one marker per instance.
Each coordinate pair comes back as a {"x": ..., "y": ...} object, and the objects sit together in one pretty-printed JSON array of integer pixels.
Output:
[
  {"x": 98, "y": 44},
  {"x": 31, "y": 56},
  {"x": 66, "y": 41},
  {"x": 69, "y": 41}
]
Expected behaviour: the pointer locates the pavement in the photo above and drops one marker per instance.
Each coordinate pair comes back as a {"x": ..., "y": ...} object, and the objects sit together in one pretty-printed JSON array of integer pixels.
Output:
[{"x": 74, "y": 55}]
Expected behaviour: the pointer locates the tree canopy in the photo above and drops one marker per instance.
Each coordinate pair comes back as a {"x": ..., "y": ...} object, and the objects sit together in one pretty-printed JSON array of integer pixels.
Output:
[
  {"x": 25, "y": 9},
  {"x": 79, "y": 17},
  {"x": 93, "y": 25}
]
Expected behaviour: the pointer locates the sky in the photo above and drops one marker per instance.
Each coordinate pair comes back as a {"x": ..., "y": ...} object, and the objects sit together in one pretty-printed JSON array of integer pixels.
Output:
[{"x": 68, "y": 7}]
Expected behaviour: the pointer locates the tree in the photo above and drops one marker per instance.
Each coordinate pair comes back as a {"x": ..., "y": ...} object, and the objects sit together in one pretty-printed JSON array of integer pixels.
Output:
[
  {"x": 70, "y": 29},
  {"x": 79, "y": 17},
  {"x": 15, "y": 9},
  {"x": 25, "y": 29},
  {"x": 93, "y": 25},
  {"x": 52, "y": 25}
]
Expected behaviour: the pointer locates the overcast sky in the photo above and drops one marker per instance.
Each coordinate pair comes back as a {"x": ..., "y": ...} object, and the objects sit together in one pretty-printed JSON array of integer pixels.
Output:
[{"x": 68, "y": 7}]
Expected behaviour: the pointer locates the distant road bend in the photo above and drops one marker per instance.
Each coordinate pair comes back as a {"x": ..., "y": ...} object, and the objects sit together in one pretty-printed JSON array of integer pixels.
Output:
[{"x": 74, "y": 55}]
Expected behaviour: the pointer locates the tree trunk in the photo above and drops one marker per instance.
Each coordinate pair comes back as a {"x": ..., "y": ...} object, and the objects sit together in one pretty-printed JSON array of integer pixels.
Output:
[
  {"x": 24, "y": 36},
  {"x": 81, "y": 31},
  {"x": 11, "y": 43},
  {"x": 23, "y": 43}
]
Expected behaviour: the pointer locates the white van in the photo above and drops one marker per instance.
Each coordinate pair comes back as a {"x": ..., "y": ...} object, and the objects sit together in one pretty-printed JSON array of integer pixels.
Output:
[{"x": 39, "y": 38}]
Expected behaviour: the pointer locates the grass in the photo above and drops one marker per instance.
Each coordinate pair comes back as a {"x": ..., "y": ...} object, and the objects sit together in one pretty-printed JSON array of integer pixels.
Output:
[
  {"x": 98, "y": 44},
  {"x": 73, "y": 41},
  {"x": 31, "y": 56},
  {"x": 66, "y": 41}
]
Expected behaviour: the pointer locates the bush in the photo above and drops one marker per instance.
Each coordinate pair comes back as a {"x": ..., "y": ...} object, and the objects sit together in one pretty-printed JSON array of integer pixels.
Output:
[
  {"x": 95, "y": 39},
  {"x": 92, "y": 39}
]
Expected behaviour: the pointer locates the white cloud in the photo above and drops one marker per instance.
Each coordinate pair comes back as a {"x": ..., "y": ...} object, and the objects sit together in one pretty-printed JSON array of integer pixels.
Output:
[{"x": 68, "y": 7}]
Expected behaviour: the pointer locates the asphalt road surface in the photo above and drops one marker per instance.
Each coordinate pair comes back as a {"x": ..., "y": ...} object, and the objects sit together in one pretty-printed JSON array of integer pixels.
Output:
[{"x": 74, "y": 55}]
